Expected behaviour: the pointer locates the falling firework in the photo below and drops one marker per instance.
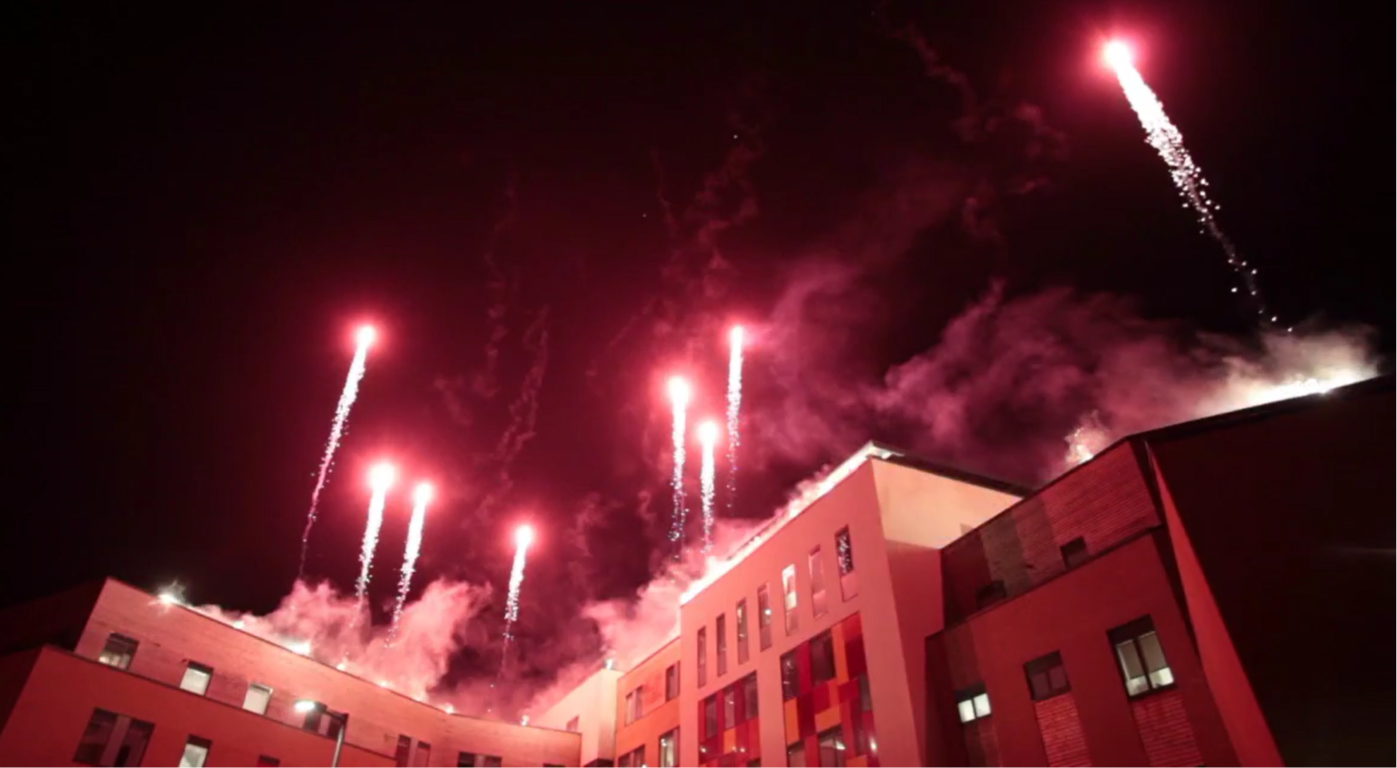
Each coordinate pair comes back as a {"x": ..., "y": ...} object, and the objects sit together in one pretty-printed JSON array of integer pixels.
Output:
[
  {"x": 707, "y": 435},
  {"x": 420, "y": 497},
  {"x": 380, "y": 480},
  {"x": 735, "y": 340},
  {"x": 364, "y": 339},
  {"x": 679, "y": 399},
  {"x": 1161, "y": 134}
]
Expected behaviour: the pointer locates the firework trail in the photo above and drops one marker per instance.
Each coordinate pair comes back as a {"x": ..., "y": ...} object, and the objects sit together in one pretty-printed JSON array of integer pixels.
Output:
[
  {"x": 363, "y": 339},
  {"x": 735, "y": 341},
  {"x": 679, "y": 400},
  {"x": 523, "y": 537},
  {"x": 380, "y": 480},
  {"x": 707, "y": 435},
  {"x": 1161, "y": 134},
  {"x": 420, "y": 496}
]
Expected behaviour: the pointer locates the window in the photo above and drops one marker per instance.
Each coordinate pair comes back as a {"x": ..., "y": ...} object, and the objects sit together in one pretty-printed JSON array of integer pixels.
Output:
[
  {"x": 818, "y": 604},
  {"x": 572, "y": 725},
  {"x": 635, "y": 757},
  {"x": 990, "y": 594},
  {"x": 95, "y": 737},
  {"x": 669, "y": 749},
  {"x": 196, "y": 678},
  {"x": 973, "y": 703},
  {"x": 423, "y": 756},
  {"x": 788, "y": 587},
  {"x": 822, "y": 658},
  {"x": 265, "y": 761},
  {"x": 832, "y": 746},
  {"x": 403, "y": 754},
  {"x": 730, "y": 706},
  {"x": 1141, "y": 658},
  {"x": 465, "y": 760},
  {"x": 133, "y": 744},
  {"x": 749, "y": 693},
  {"x": 196, "y": 752},
  {"x": 491, "y": 761},
  {"x": 790, "y": 676},
  {"x": 865, "y": 696},
  {"x": 844, "y": 556},
  {"x": 672, "y": 681},
  {"x": 742, "y": 650},
  {"x": 118, "y": 651},
  {"x": 1074, "y": 552},
  {"x": 710, "y": 717},
  {"x": 635, "y": 703},
  {"x": 720, "y": 628},
  {"x": 795, "y": 754},
  {"x": 764, "y": 615},
  {"x": 863, "y": 743},
  {"x": 1047, "y": 677},
  {"x": 703, "y": 656},
  {"x": 257, "y": 698}
]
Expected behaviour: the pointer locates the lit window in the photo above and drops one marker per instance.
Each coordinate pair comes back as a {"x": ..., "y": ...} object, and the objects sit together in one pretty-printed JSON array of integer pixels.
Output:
[
  {"x": 257, "y": 698},
  {"x": 973, "y": 703},
  {"x": 720, "y": 628},
  {"x": 822, "y": 658},
  {"x": 788, "y": 586},
  {"x": 1141, "y": 658},
  {"x": 818, "y": 604},
  {"x": 669, "y": 749},
  {"x": 764, "y": 615},
  {"x": 790, "y": 676},
  {"x": 844, "y": 556},
  {"x": 1074, "y": 552},
  {"x": 118, "y": 651},
  {"x": 573, "y": 725},
  {"x": 832, "y": 747},
  {"x": 196, "y": 678},
  {"x": 95, "y": 737},
  {"x": 196, "y": 752},
  {"x": 1047, "y": 677},
  {"x": 742, "y": 649},
  {"x": 703, "y": 656},
  {"x": 672, "y": 681}
]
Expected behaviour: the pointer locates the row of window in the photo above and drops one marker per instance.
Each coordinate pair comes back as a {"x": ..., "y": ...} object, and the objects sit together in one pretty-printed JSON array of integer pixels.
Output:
[
  {"x": 635, "y": 698},
  {"x": 819, "y": 604},
  {"x": 747, "y": 690},
  {"x": 669, "y": 752},
  {"x": 832, "y": 749},
  {"x": 1073, "y": 553},
  {"x": 1138, "y": 654},
  {"x": 119, "y": 650},
  {"x": 113, "y": 739}
]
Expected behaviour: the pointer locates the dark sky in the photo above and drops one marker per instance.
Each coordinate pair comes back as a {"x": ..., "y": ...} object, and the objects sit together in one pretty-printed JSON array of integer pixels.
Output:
[{"x": 204, "y": 202}]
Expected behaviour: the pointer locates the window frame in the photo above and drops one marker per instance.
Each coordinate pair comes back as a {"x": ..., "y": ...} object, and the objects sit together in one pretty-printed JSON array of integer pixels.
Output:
[
  {"x": 702, "y": 656},
  {"x": 265, "y": 703},
  {"x": 196, "y": 741},
  {"x": 673, "y": 736},
  {"x": 764, "y": 616},
  {"x": 720, "y": 644},
  {"x": 790, "y": 601},
  {"x": 819, "y": 595},
  {"x": 839, "y": 751},
  {"x": 199, "y": 668},
  {"x": 127, "y": 655},
  {"x": 1044, "y": 665},
  {"x": 844, "y": 564},
  {"x": 990, "y": 594},
  {"x": 744, "y": 646},
  {"x": 672, "y": 681},
  {"x": 99, "y": 717},
  {"x": 971, "y": 696},
  {"x": 825, "y": 640},
  {"x": 1074, "y": 553},
  {"x": 790, "y": 685},
  {"x": 1132, "y": 633}
]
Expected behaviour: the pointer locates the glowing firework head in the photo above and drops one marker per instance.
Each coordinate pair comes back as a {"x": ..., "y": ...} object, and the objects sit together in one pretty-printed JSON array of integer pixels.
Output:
[
  {"x": 679, "y": 392},
  {"x": 708, "y": 434},
  {"x": 1117, "y": 55},
  {"x": 422, "y": 494},
  {"x": 523, "y": 536},
  {"x": 381, "y": 477},
  {"x": 736, "y": 336},
  {"x": 365, "y": 336}
]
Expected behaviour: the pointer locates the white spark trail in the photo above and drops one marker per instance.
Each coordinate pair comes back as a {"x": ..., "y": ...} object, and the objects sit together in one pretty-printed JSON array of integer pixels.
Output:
[
  {"x": 420, "y": 497},
  {"x": 734, "y": 410},
  {"x": 381, "y": 479},
  {"x": 708, "y": 435},
  {"x": 350, "y": 392},
  {"x": 679, "y": 398},
  {"x": 522, "y": 539},
  {"x": 1166, "y": 139}
]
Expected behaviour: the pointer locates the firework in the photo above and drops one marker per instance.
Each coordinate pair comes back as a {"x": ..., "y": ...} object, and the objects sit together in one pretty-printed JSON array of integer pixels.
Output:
[
  {"x": 420, "y": 496},
  {"x": 735, "y": 341},
  {"x": 363, "y": 339},
  {"x": 523, "y": 537},
  {"x": 381, "y": 478},
  {"x": 679, "y": 399},
  {"x": 707, "y": 435},
  {"x": 1161, "y": 134}
]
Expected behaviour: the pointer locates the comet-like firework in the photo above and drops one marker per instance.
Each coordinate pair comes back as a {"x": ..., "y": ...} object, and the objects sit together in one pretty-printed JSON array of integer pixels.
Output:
[
  {"x": 707, "y": 435},
  {"x": 420, "y": 496},
  {"x": 735, "y": 341},
  {"x": 381, "y": 478},
  {"x": 523, "y": 537},
  {"x": 679, "y": 399},
  {"x": 363, "y": 339},
  {"x": 1161, "y": 134}
]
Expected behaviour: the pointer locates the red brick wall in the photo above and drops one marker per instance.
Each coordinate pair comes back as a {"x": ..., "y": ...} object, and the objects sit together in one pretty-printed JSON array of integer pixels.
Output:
[
  {"x": 981, "y": 745},
  {"x": 1061, "y": 727},
  {"x": 170, "y": 636},
  {"x": 1164, "y": 729}
]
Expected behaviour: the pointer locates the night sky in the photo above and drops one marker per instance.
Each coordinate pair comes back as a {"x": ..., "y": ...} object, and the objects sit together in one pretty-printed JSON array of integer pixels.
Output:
[{"x": 203, "y": 204}]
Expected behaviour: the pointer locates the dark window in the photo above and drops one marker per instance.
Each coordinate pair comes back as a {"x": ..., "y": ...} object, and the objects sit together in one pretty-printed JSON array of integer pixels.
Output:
[
  {"x": 672, "y": 682},
  {"x": 1074, "y": 552},
  {"x": 755, "y": 762},
  {"x": 832, "y": 747},
  {"x": 795, "y": 754},
  {"x": 764, "y": 615},
  {"x": 118, "y": 651},
  {"x": 973, "y": 703},
  {"x": 635, "y": 757},
  {"x": 743, "y": 651},
  {"x": 264, "y": 761},
  {"x": 133, "y": 744},
  {"x": 1141, "y": 657},
  {"x": 490, "y": 761},
  {"x": 669, "y": 749},
  {"x": 720, "y": 629},
  {"x": 865, "y": 696},
  {"x": 313, "y": 717},
  {"x": 862, "y": 743},
  {"x": 424, "y": 754},
  {"x": 95, "y": 737},
  {"x": 1047, "y": 677},
  {"x": 822, "y": 658},
  {"x": 196, "y": 752},
  {"x": 749, "y": 694},
  {"x": 403, "y": 753},
  {"x": 465, "y": 760},
  {"x": 702, "y": 656},
  {"x": 710, "y": 716},
  {"x": 572, "y": 724},
  {"x": 790, "y": 676},
  {"x": 730, "y": 706},
  {"x": 844, "y": 556},
  {"x": 196, "y": 678},
  {"x": 990, "y": 594}
]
